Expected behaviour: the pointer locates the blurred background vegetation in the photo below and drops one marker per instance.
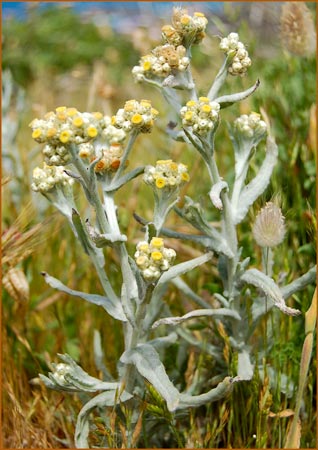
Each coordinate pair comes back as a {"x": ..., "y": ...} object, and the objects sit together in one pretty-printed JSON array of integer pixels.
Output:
[{"x": 56, "y": 55}]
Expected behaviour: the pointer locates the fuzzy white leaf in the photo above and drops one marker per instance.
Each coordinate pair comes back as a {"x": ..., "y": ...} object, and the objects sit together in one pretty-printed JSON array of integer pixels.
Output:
[
  {"x": 258, "y": 185},
  {"x": 180, "y": 269},
  {"x": 215, "y": 193},
  {"x": 148, "y": 364},
  {"x": 215, "y": 394},
  {"x": 269, "y": 288},
  {"x": 197, "y": 313},
  {"x": 114, "y": 309}
]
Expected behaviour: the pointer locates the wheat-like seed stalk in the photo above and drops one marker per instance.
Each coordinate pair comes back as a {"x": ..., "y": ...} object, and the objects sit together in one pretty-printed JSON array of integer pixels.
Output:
[{"x": 297, "y": 29}]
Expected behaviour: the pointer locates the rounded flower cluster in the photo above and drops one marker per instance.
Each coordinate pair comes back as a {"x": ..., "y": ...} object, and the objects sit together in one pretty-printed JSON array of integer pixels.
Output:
[
  {"x": 59, "y": 374},
  {"x": 65, "y": 126},
  {"x": 233, "y": 47},
  {"x": 111, "y": 159},
  {"x": 269, "y": 227},
  {"x": 166, "y": 174},
  {"x": 153, "y": 259},
  {"x": 135, "y": 116},
  {"x": 251, "y": 126},
  {"x": 46, "y": 179},
  {"x": 162, "y": 61},
  {"x": 201, "y": 116},
  {"x": 184, "y": 27}
]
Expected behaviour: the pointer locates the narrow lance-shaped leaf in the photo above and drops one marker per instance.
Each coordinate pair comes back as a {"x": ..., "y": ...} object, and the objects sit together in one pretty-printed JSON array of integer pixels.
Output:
[
  {"x": 109, "y": 398},
  {"x": 114, "y": 186},
  {"x": 215, "y": 394},
  {"x": 180, "y": 269},
  {"x": 258, "y": 185},
  {"x": 224, "y": 312},
  {"x": 269, "y": 288},
  {"x": 148, "y": 364},
  {"x": 228, "y": 100},
  {"x": 113, "y": 309}
]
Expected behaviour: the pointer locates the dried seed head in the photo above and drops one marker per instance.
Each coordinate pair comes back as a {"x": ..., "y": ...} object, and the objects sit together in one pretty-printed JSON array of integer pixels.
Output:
[
  {"x": 297, "y": 29},
  {"x": 16, "y": 283},
  {"x": 269, "y": 227}
]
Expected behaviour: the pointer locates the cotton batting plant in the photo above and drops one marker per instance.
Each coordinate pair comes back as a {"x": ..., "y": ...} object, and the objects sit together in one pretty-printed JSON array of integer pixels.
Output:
[{"x": 92, "y": 150}]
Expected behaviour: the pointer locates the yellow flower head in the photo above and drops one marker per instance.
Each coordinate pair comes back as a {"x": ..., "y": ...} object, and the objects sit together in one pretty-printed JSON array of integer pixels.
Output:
[
  {"x": 37, "y": 133},
  {"x": 199, "y": 14},
  {"x": 191, "y": 103},
  {"x": 160, "y": 183},
  {"x": 163, "y": 161},
  {"x": 188, "y": 115},
  {"x": 136, "y": 119},
  {"x": 146, "y": 65},
  {"x": 185, "y": 176},
  {"x": 65, "y": 136},
  {"x": 60, "y": 109},
  {"x": 204, "y": 99},
  {"x": 206, "y": 108},
  {"x": 71, "y": 112},
  {"x": 144, "y": 248},
  {"x": 156, "y": 256},
  {"x": 91, "y": 131},
  {"x": 78, "y": 121},
  {"x": 141, "y": 260},
  {"x": 185, "y": 20},
  {"x": 98, "y": 115},
  {"x": 156, "y": 242}
]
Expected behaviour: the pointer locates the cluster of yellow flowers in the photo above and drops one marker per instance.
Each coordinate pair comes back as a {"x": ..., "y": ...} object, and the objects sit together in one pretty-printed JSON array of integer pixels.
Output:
[
  {"x": 46, "y": 179},
  {"x": 135, "y": 116},
  {"x": 185, "y": 27},
  {"x": 166, "y": 174},
  {"x": 111, "y": 159},
  {"x": 200, "y": 115},
  {"x": 233, "y": 47},
  {"x": 153, "y": 259},
  {"x": 170, "y": 58},
  {"x": 161, "y": 62},
  {"x": 65, "y": 126},
  {"x": 250, "y": 126}
]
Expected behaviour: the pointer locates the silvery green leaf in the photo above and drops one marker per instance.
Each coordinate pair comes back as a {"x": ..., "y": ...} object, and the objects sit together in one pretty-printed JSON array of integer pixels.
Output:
[
  {"x": 163, "y": 342},
  {"x": 228, "y": 100},
  {"x": 224, "y": 312},
  {"x": 258, "y": 185},
  {"x": 219, "y": 80},
  {"x": 148, "y": 364},
  {"x": 113, "y": 308},
  {"x": 215, "y": 394},
  {"x": 180, "y": 269},
  {"x": 245, "y": 368},
  {"x": 99, "y": 356},
  {"x": 215, "y": 193},
  {"x": 300, "y": 283},
  {"x": 268, "y": 286},
  {"x": 102, "y": 400},
  {"x": 127, "y": 306},
  {"x": 141, "y": 285},
  {"x": 115, "y": 185}
]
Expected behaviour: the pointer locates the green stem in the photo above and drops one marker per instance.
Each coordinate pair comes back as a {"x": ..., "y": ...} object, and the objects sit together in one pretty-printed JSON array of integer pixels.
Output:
[{"x": 127, "y": 151}]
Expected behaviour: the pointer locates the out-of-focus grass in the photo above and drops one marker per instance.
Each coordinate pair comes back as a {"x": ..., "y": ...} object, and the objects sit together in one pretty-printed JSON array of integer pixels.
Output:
[{"x": 53, "y": 323}]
